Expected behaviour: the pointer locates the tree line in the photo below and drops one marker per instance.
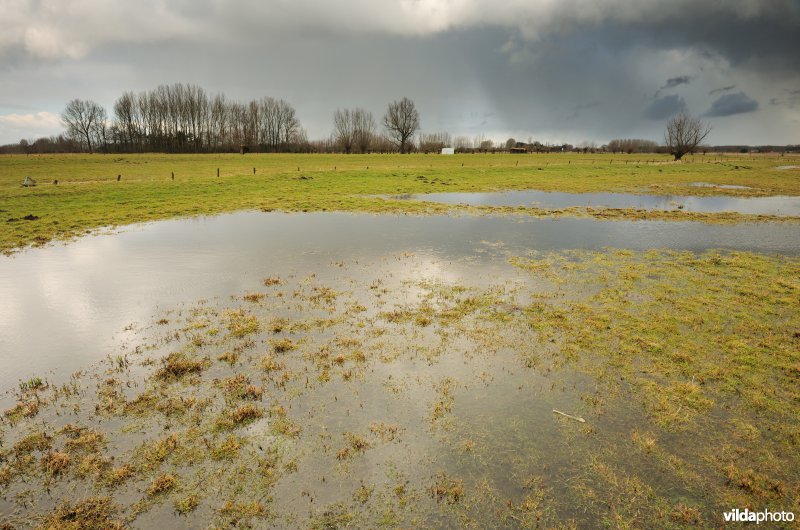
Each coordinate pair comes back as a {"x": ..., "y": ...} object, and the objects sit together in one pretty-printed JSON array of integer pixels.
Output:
[{"x": 183, "y": 118}]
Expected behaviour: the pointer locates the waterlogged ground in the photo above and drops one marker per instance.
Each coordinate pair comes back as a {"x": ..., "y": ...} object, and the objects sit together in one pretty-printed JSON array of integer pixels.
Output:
[
  {"x": 779, "y": 206},
  {"x": 387, "y": 392}
]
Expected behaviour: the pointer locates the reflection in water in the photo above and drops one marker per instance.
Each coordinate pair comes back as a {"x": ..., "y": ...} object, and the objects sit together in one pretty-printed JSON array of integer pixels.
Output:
[
  {"x": 777, "y": 205},
  {"x": 66, "y": 306}
]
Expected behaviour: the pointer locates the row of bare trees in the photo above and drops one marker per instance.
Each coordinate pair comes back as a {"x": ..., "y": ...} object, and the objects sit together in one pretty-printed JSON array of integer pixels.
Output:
[
  {"x": 354, "y": 129},
  {"x": 184, "y": 118}
]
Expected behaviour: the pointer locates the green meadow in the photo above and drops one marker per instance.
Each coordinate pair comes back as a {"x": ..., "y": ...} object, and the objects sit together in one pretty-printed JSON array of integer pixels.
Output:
[{"x": 104, "y": 190}]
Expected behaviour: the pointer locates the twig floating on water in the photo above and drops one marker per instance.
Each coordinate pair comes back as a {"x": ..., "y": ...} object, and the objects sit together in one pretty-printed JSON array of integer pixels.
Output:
[{"x": 570, "y": 416}]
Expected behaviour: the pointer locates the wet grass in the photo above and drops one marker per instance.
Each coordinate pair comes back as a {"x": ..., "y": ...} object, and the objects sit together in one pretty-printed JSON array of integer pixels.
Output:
[
  {"x": 432, "y": 404},
  {"x": 88, "y": 195}
]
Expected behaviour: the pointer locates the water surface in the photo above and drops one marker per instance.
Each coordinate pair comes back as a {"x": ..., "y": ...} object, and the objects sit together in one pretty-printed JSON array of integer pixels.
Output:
[
  {"x": 68, "y": 305},
  {"x": 776, "y": 205}
]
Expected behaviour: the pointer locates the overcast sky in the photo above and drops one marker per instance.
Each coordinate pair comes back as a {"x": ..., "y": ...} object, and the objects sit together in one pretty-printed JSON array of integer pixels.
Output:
[{"x": 549, "y": 70}]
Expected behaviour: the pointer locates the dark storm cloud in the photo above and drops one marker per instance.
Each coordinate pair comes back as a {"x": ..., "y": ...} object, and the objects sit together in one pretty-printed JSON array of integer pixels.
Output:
[
  {"x": 527, "y": 64},
  {"x": 672, "y": 82},
  {"x": 730, "y": 104},
  {"x": 721, "y": 89},
  {"x": 665, "y": 107}
]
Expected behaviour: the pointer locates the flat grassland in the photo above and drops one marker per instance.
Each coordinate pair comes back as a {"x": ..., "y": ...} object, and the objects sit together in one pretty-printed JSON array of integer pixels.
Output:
[{"x": 89, "y": 195}]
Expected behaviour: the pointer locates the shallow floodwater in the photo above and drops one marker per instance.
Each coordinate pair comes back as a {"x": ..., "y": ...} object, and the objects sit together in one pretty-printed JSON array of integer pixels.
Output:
[
  {"x": 68, "y": 305},
  {"x": 776, "y": 205},
  {"x": 409, "y": 389}
]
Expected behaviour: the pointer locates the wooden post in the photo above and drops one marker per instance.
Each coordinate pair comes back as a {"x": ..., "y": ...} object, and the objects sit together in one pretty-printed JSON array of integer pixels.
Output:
[
  {"x": 173, "y": 175},
  {"x": 254, "y": 171},
  {"x": 217, "y": 172},
  {"x": 119, "y": 177}
]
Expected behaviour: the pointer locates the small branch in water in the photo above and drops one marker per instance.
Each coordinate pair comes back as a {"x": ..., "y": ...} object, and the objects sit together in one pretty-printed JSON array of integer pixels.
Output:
[{"x": 570, "y": 416}]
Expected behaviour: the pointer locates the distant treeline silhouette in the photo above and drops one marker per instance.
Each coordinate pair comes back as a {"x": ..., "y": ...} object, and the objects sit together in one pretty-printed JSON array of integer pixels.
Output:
[{"x": 184, "y": 118}]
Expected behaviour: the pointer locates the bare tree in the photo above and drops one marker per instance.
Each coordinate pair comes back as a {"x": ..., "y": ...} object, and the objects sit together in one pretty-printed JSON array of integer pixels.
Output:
[
  {"x": 85, "y": 121},
  {"x": 363, "y": 129},
  {"x": 684, "y": 133},
  {"x": 401, "y": 121},
  {"x": 343, "y": 129}
]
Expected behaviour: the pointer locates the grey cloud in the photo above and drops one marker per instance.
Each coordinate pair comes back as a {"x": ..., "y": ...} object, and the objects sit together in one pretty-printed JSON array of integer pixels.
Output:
[
  {"x": 530, "y": 64},
  {"x": 73, "y": 29},
  {"x": 731, "y": 104},
  {"x": 721, "y": 89},
  {"x": 664, "y": 107},
  {"x": 672, "y": 82}
]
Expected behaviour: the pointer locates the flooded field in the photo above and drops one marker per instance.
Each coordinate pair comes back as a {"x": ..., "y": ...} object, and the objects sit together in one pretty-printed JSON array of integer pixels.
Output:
[
  {"x": 774, "y": 205},
  {"x": 88, "y": 295},
  {"x": 335, "y": 370}
]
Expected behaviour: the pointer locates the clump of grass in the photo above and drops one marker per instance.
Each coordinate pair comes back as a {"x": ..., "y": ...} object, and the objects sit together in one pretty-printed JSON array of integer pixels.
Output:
[
  {"x": 277, "y": 325},
  {"x": 159, "y": 450},
  {"x": 332, "y": 516},
  {"x": 269, "y": 363},
  {"x": 93, "y": 513},
  {"x": 444, "y": 401},
  {"x": 177, "y": 365},
  {"x": 272, "y": 280},
  {"x": 228, "y": 449},
  {"x": 241, "y": 415},
  {"x": 22, "y": 409},
  {"x": 355, "y": 444},
  {"x": 82, "y": 438},
  {"x": 118, "y": 475},
  {"x": 363, "y": 493},
  {"x": 36, "y": 441},
  {"x": 423, "y": 320},
  {"x": 245, "y": 413},
  {"x": 92, "y": 464},
  {"x": 6, "y": 474},
  {"x": 240, "y": 512},
  {"x": 187, "y": 504},
  {"x": 682, "y": 513},
  {"x": 447, "y": 489},
  {"x": 282, "y": 345},
  {"x": 161, "y": 484},
  {"x": 323, "y": 294},
  {"x": 286, "y": 427},
  {"x": 55, "y": 463},
  {"x": 386, "y": 431},
  {"x": 254, "y": 297},
  {"x": 239, "y": 387},
  {"x": 229, "y": 357},
  {"x": 645, "y": 441},
  {"x": 34, "y": 384},
  {"x": 241, "y": 323}
]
